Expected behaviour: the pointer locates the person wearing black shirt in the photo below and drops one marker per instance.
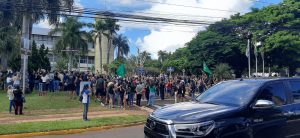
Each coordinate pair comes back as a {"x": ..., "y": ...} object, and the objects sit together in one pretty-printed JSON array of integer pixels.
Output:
[
  {"x": 18, "y": 100},
  {"x": 162, "y": 90}
]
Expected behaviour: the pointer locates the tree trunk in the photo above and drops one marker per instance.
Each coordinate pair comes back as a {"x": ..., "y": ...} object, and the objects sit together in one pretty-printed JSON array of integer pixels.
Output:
[
  {"x": 25, "y": 36},
  {"x": 100, "y": 48}
]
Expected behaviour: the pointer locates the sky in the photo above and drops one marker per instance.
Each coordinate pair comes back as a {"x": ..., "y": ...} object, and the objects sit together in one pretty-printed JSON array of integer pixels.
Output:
[{"x": 168, "y": 37}]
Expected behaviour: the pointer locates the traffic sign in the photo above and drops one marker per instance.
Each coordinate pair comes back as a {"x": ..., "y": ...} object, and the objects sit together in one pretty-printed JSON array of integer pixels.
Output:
[{"x": 170, "y": 69}]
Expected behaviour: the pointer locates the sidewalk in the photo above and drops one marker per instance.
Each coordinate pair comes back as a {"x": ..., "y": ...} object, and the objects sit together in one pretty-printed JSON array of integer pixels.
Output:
[{"x": 12, "y": 119}]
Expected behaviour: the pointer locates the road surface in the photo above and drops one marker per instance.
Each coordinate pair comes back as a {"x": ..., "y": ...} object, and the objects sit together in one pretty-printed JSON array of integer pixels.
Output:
[{"x": 128, "y": 132}]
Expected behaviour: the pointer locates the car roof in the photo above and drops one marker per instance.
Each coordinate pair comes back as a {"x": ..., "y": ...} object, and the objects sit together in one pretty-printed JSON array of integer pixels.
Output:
[{"x": 264, "y": 80}]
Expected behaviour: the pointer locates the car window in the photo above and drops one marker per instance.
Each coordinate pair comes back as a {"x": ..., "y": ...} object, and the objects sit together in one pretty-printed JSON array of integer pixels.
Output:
[
  {"x": 295, "y": 85},
  {"x": 274, "y": 92}
]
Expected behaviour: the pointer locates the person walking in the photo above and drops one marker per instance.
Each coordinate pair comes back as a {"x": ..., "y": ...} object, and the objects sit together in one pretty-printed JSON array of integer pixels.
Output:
[
  {"x": 86, "y": 93},
  {"x": 10, "y": 95},
  {"x": 18, "y": 101},
  {"x": 139, "y": 93},
  {"x": 192, "y": 89},
  {"x": 152, "y": 93}
]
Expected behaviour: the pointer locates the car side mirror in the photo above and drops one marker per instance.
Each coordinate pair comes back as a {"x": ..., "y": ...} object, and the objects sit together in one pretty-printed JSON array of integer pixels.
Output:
[{"x": 264, "y": 104}]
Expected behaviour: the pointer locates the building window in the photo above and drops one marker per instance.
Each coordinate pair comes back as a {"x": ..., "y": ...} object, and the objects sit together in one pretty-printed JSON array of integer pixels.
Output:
[{"x": 83, "y": 60}]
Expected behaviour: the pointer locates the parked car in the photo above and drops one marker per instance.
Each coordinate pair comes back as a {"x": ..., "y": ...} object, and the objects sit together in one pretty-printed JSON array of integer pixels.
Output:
[{"x": 255, "y": 108}]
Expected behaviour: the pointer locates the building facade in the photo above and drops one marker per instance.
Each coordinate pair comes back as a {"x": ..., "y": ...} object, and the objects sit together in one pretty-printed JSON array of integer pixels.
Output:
[{"x": 89, "y": 61}]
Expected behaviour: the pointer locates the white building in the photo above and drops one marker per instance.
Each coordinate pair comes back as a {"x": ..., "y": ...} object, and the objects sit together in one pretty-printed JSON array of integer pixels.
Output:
[{"x": 85, "y": 62}]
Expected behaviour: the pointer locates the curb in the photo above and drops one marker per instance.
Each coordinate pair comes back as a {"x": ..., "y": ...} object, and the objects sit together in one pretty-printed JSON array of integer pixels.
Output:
[{"x": 71, "y": 131}]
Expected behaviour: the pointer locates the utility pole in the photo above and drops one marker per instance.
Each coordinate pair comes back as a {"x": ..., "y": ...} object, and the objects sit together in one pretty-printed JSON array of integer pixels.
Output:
[
  {"x": 25, "y": 45},
  {"x": 249, "y": 36}
]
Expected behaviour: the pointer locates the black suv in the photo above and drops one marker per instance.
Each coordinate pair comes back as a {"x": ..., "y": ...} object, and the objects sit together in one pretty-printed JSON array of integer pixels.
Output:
[{"x": 262, "y": 108}]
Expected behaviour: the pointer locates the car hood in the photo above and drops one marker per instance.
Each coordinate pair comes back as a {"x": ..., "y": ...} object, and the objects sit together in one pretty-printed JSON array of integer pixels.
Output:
[{"x": 189, "y": 112}]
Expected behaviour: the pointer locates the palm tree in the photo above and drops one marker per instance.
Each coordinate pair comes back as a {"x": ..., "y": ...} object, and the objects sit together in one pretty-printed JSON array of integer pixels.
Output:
[
  {"x": 72, "y": 40},
  {"x": 8, "y": 39},
  {"x": 121, "y": 44},
  {"x": 99, "y": 29},
  {"x": 162, "y": 55},
  {"x": 112, "y": 29},
  {"x": 223, "y": 71}
]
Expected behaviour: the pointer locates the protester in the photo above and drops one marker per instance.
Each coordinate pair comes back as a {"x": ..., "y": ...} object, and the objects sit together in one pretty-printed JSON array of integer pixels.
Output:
[
  {"x": 86, "y": 92},
  {"x": 100, "y": 90},
  {"x": 16, "y": 80},
  {"x": 111, "y": 94},
  {"x": 18, "y": 101},
  {"x": 152, "y": 92},
  {"x": 139, "y": 92},
  {"x": 10, "y": 95},
  {"x": 162, "y": 89}
]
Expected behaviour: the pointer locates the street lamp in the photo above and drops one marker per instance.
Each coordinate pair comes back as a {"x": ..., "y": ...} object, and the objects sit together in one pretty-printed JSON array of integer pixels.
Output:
[
  {"x": 257, "y": 45},
  {"x": 249, "y": 36}
]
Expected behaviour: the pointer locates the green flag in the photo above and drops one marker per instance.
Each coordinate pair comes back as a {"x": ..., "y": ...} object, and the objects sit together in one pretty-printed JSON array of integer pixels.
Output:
[
  {"x": 206, "y": 69},
  {"x": 121, "y": 71}
]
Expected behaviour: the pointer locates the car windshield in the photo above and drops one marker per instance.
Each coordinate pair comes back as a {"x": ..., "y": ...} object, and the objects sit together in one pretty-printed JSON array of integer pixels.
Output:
[{"x": 231, "y": 93}]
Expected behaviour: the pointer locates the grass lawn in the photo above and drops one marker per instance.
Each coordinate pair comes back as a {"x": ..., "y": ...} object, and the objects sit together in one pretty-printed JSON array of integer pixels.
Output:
[
  {"x": 57, "y": 100},
  {"x": 65, "y": 125}
]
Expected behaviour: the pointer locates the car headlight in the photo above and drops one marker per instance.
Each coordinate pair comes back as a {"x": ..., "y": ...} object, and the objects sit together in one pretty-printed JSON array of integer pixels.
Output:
[{"x": 199, "y": 129}]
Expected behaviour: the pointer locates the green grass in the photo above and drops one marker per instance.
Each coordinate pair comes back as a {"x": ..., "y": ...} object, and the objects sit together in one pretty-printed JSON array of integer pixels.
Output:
[
  {"x": 57, "y": 100},
  {"x": 65, "y": 125}
]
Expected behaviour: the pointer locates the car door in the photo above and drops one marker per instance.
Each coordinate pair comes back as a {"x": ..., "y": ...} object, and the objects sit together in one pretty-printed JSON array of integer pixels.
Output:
[
  {"x": 293, "y": 124},
  {"x": 269, "y": 122}
]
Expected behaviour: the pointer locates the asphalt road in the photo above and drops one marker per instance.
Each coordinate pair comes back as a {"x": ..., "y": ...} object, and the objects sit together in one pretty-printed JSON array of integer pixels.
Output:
[{"x": 128, "y": 132}]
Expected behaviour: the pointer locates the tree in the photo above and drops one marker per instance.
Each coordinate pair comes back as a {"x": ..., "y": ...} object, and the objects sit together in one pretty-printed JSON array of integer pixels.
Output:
[
  {"x": 112, "y": 28},
  {"x": 162, "y": 55},
  {"x": 222, "y": 71},
  {"x": 277, "y": 26},
  {"x": 38, "y": 58},
  {"x": 121, "y": 44},
  {"x": 98, "y": 30},
  {"x": 61, "y": 64},
  {"x": 73, "y": 40},
  {"x": 8, "y": 44}
]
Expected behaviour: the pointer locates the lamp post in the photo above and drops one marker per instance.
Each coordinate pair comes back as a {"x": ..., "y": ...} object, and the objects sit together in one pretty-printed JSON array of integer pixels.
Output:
[
  {"x": 257, "y": 45},
  {"x": 249, "y": 36}
]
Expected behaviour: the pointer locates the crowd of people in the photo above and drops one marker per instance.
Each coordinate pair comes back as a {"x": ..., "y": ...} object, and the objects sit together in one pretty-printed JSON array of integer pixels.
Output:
[{"x": 110, "y": 91}]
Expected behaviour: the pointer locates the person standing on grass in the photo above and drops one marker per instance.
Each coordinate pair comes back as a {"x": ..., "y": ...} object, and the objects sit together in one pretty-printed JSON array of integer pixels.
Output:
[
  {"x": 71, "y": 85},
  {"x": 86, "y": 93},
  {"x": 111, "y": 94},
  {"x": 162, "y": 89},
  {"x": 100, "y": 90},
  {"x": 139, "y": 93},
  {"x": 10, "y": 95},
  {"x": 152, "y": 93},
  {"x": 18, "y": 101},
  {"x": 45, "y": 82}
]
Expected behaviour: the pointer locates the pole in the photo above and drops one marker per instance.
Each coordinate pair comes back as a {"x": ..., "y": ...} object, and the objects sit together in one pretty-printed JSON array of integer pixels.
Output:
[
  {"x": 256, "y": 65},
  {"x": 249, "y": 59},
  {"x": 25, "y": 37},
  {"x": 263, "y": 60}
]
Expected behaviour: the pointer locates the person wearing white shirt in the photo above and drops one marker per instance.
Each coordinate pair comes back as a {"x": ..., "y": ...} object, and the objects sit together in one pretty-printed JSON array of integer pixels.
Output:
[
  {"x": 86, "y": 93},
  {"x": 45, "y": 80},
  {"x": 10, "y": 95}
]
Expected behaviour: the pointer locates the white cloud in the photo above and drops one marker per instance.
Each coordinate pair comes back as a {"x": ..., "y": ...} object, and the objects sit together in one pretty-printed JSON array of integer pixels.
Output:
[{"x": 171, "y": 37}]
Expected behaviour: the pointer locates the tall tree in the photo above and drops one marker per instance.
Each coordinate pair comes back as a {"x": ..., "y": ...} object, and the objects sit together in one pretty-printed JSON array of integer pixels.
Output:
[
  {"x": 121, "y": 45},
  {"x": 112, "y": 28},
  {"x": 73, "y": 40},
  {"x": 98, "y": 30},
  {"x": 8, "y": 44},
  {"x": 162, "y": 55}
]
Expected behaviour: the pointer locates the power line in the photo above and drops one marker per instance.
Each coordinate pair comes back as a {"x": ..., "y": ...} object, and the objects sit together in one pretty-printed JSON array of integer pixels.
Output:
[
  {"x": 129, "y": 17},
  {"x": 188, "y": 6}
]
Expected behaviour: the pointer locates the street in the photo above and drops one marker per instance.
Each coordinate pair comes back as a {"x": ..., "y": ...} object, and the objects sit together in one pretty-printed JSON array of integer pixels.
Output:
[{"x": 128, "y": 132}]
